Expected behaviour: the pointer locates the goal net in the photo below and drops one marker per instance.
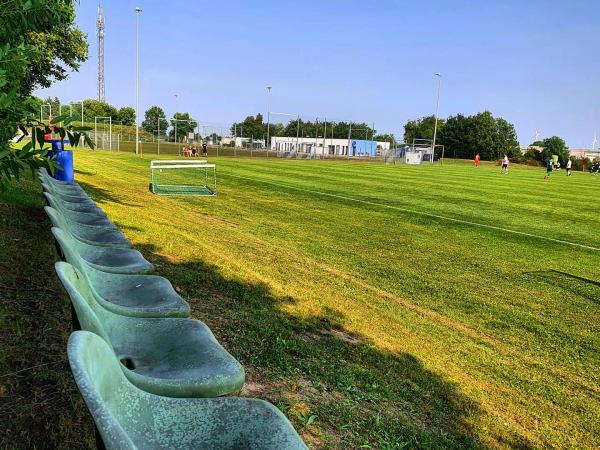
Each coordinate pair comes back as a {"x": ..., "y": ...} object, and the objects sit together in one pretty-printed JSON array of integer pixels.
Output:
[{"x": 181, "y": 177}]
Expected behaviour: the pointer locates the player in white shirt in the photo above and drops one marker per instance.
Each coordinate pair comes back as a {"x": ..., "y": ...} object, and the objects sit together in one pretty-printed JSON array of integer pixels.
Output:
[
  {"x": 505, "y": 165},
  {"x": 569, "y": 167}
]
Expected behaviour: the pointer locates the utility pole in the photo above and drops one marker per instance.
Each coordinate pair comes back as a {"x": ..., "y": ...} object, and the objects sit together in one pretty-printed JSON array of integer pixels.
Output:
[
  {"x": 268, "y": 115},
  {"x": 437, "y": 106},
  {"x": 137, "y": 80}
]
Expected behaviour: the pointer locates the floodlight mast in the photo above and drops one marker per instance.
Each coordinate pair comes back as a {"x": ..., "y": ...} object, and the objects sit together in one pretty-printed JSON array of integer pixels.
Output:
[
  {"x": 100, "y": 35},
  {"x": 138, "y": 10},
  {"x": 437, "y": 106},
  {"x": 268, "y": 116}
]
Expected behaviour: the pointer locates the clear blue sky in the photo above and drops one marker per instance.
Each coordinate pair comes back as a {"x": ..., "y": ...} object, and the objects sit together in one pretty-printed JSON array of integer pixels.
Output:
[{"x": 536, "y": 63}]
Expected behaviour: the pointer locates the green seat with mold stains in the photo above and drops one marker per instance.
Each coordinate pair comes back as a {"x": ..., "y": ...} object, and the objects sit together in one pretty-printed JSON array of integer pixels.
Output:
[
  {"x": 80, "y": 217},
  {"x": 124, "y": 294},
  {"x": 89, "y": 234},
  {"x": 166, "y": 356},
  {"x": 106, "y": 259},
  {"x": 129, "y": 418}
]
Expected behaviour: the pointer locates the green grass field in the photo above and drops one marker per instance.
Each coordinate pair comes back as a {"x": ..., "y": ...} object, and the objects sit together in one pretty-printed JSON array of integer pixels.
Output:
[{"x": 385, "y": 306}]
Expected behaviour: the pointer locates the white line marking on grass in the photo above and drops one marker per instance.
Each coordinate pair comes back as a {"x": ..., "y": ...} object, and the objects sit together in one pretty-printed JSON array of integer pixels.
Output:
[{"x": 421, "y": 213}]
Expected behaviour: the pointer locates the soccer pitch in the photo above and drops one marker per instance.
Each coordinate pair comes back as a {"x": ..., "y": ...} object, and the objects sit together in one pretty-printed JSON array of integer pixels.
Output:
[{"x": 381, "y": 305}]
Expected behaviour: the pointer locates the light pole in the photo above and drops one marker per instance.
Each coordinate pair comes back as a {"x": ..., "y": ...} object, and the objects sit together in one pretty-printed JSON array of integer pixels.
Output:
[
  {"x": 437, "y": 107},
  {"x": 268, "y": 116},
  {"x": 137, "y": 80}
]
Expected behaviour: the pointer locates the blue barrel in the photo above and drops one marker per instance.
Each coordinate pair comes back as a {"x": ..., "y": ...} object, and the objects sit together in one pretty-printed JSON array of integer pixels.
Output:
[{"x": 66, "y": 172}]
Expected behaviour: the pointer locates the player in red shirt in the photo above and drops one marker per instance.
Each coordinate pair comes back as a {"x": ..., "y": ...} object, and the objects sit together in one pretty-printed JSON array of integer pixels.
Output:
[{"x": 476, "y": 160}]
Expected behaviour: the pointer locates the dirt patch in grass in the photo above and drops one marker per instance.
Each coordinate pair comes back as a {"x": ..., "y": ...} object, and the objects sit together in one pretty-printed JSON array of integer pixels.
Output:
[{"x": 342, "y": 336}]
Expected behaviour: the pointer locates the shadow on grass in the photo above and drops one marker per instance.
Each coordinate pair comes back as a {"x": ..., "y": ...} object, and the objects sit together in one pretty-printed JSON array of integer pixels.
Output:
[
  {"x": 100, "y": 195},
  {"x": 340, "y": 389},
  {"x": 579, "y": 286}
]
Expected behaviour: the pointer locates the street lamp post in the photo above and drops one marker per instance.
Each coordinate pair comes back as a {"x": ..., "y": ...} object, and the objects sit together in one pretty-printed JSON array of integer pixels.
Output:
[
  {"x": 437, "y": 107},
  {"x": 137, "y": 80},
  {"x": 268, "y": 117}
]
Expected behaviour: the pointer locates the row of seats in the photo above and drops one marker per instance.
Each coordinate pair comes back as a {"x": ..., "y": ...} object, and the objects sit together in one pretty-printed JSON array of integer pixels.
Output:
[{"x": 151, "y": 377}]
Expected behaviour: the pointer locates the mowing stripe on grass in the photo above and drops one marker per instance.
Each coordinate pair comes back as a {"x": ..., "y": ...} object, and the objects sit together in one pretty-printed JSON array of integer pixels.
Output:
[{"x": 421, "y": 213}]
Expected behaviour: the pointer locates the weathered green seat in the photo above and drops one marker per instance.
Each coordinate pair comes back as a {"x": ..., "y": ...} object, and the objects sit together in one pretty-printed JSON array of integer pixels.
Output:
[
  {"x": 129, "y": 418},
  {"x": 87, "y": 233},
  {"x": 80, "y": 217},
  {"x": 113, "y": 260},
  {"x": 171, "y": 357},
  {"x": 79, "y": 198},
  {"x": 61, "y": 186},
  {"x": 127, "y": 295},
  {"x": 79, "y": 207}
]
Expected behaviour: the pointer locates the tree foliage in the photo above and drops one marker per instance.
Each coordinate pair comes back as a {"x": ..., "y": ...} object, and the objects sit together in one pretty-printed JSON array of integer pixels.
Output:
[
  {"x": 151, "y": 118},
  {"x": 466, "y": 136},
  {"x": 95, "y": 108},
  {"x": 126, "y": 115},
  {"x": 39, "y": 44},
  {"x": 554, "y": 146},
  {"x": 422, "y": 128},
  {"x": 182, "y": 124}
]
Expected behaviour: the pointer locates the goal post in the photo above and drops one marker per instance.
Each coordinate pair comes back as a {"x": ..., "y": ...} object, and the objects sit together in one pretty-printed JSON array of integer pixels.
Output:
[{"x": 181, "y": 177}]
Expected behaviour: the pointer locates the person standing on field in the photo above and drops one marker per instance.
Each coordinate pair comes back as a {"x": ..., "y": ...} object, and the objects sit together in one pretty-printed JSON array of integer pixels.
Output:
[
  {"x": 204, "y": 149},
  {"x": 568, "y": 167},
  {"x": 476, "y": 160},
  {"x": 505, "y": 165},
  {"x": 549, "y": 167}
]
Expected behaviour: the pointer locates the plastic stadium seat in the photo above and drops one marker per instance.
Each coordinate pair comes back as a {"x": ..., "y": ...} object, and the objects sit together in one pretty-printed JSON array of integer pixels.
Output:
[
  {"x": 69, "y": 197},
  {"x": 78, "y": 207},
  {"x": 127, "y": 295},
  {"x": 63, "y": 187},
  {"x": 80, "y": 217},
  {"x": 129, "y": 418},
  {"x": 171, "y": 357},
  {"x": 113, "y": 260},
  {"x": 92, "y": 235}
]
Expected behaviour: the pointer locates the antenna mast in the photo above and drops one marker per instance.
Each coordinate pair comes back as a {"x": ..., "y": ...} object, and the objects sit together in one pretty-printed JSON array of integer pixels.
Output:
[{"x": 100, "y": 34}]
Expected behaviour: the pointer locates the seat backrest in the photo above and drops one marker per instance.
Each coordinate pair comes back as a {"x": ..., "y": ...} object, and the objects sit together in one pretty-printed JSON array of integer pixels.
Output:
[
  {"x": 91, "y": 315},
  {"x": 102, "y": 384},
  {"x": 70, "y": 248},
  {"x": 57, "y": 219}
]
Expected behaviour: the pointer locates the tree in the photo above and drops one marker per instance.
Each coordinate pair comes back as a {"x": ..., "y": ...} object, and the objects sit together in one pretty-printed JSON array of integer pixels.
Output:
[
  {"x": 126, "y": 115},
  {"x": 422, "y": 128},
  {"x": 464, "y": 137},
  {"x": 251, "y": 127},
  {"x": 183, "y": 124},
  {"x": 95, "y": 108},
  {"x": 386, "y": 137},
  {"x": 151, "y": 118},
  {"x": 554, "y": 146},
  {"x": 54, "y": 106},
  {"x": 457, "y": 137},
  {"x": 40, "y": 43}
]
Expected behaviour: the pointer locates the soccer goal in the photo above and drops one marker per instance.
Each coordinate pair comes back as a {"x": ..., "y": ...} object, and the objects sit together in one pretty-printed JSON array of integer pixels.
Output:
[{"x": 180, "y": 177}]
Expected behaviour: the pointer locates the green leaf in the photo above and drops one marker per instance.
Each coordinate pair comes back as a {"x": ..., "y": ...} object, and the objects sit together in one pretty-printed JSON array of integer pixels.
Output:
[
  {"x": 39, "y": 133},
  {"x": 89, "y": 142},
  {"x": 59, "y": 119}
]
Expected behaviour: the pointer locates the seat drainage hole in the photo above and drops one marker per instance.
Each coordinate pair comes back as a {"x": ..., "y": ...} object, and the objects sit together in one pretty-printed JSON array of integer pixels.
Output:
[{"x": 127, "y": 362}]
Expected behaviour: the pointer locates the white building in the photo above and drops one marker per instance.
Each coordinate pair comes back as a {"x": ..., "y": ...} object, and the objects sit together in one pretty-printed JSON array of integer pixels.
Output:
[
  {"x": 246, "y": 142},
  {"x": 328, "y": 146}
]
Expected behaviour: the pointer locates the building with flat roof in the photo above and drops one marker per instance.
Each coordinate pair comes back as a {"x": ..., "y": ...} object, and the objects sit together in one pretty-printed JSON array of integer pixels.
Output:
[
  {"x": 585, "y": 153},
  {"x": 328, "y": 146}
]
